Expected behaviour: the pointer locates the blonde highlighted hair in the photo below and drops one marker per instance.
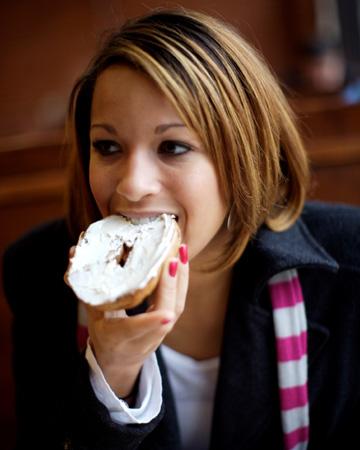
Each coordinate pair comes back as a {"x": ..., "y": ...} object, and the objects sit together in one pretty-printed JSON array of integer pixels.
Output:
[{"x": 222, "y": 89}]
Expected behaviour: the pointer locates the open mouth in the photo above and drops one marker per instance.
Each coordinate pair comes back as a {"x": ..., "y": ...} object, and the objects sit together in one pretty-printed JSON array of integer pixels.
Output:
[{"x": 147, "y": 219}]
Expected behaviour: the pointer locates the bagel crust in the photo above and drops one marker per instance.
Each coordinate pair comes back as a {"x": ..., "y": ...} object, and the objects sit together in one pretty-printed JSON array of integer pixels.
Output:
[{"x": 118, "y": 261}]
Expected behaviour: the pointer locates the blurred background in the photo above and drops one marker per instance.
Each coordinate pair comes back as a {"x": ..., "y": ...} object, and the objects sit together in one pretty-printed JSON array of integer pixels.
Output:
[{"x": 312, "y": 45}]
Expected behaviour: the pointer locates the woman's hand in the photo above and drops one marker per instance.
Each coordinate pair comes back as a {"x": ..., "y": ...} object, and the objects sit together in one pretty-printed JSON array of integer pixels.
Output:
[{"x": 122, "y": 344}]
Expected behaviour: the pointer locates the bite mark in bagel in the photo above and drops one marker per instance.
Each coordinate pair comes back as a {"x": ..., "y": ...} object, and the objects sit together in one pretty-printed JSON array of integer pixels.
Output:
[{"x": 117, "y": 261}]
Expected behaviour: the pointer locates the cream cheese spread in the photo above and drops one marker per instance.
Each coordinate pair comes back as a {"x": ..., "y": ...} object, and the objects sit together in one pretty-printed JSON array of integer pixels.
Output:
[{"x": 117, "y": 256}]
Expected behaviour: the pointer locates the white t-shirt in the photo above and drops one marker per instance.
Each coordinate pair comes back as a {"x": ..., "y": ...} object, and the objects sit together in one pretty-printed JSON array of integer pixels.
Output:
[{"x": 193, "y": 383}]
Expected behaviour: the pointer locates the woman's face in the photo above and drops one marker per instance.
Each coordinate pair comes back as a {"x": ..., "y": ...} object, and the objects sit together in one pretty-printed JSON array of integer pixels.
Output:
[{"x": 144, "y": 161}]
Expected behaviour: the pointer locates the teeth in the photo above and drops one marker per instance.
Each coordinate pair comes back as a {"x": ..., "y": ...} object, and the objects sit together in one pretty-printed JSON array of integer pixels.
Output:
[{"x": 143, "y": 220}]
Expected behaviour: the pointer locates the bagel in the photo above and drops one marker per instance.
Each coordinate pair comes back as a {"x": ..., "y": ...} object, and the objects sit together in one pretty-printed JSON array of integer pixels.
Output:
[{"x": 117, "y": 261}]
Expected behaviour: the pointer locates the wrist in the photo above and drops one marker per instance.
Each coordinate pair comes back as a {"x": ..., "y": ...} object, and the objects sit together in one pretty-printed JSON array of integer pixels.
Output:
[
  {"x": 123, "y": 382},
  {"x": 122, "y": 378},
  {"x": 130, "y": 399}
]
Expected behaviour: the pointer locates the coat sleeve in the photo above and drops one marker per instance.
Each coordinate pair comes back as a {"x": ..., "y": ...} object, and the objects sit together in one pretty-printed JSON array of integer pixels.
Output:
[{"x": 55, "y": 403}]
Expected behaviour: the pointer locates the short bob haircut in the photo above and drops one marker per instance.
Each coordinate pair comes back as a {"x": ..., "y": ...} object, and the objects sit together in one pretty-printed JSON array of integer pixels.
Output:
[{"x": 222, "y": 90}]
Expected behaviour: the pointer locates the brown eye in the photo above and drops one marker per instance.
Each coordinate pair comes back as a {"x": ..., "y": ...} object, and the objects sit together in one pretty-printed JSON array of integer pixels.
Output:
[
  {"x": 174, "y": 148},
  {"x": 106, "y": 147}
]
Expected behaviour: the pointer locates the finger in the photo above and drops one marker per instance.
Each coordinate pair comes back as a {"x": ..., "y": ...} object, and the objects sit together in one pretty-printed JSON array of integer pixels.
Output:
[
  {"x": 151, "y": 339},
  {"x": 182, "y": 279},
  {"x": 133, "y": 327},
  {"x": 165, "y": 294},
  {"x": 115, "y": 314},
  {"x": 93, "y": 314},
  {"x": 71, "y": 254}
]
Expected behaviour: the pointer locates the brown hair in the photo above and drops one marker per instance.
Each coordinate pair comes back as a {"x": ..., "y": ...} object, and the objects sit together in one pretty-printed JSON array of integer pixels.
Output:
[{"x": 222, "y": 89}]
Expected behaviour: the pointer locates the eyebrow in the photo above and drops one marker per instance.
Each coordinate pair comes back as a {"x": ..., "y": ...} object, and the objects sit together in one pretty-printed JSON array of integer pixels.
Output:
[
  {"x": 162, "y": 128},
  {"x": 158, "y": 130},
  {"x": 106, "y": 127}
]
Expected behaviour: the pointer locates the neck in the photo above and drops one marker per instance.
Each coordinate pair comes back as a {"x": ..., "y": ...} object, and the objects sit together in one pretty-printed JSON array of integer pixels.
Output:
[
  {"x": 207, "y": 290},
  {"x": 198, "y": 332}
]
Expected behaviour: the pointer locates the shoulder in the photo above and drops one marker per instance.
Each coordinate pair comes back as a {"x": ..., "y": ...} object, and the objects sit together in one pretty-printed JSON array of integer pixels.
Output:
[
  {"x": 42, "y": 239},
  {"x": 37, "y": 258},
  {"x": 337, "y": 228},
  {"x": 335, "y": 214}
]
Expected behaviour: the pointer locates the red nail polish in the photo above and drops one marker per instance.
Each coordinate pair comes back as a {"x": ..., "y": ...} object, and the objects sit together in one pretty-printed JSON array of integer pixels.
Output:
[
  {"x": 183, "y": 252},
  {"x": 165, "y": 321},
  {"x": 173, "y": 268}
]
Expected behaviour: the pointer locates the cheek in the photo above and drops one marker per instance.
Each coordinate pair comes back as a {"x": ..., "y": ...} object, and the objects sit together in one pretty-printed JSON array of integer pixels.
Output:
[
  {"x": 204, "y": 205},
  {"x": 210, "y": 209},
  {"x": 206, "y": 191},
  {"x": 99, "y": 185}
]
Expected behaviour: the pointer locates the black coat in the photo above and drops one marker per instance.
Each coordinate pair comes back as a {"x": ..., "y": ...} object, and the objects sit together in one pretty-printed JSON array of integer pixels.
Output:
[{"x": 57, "y": 408}]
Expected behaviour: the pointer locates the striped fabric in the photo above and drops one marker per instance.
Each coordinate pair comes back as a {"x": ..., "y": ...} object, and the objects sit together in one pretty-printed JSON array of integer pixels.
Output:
[{"x": 291, "y": 346}]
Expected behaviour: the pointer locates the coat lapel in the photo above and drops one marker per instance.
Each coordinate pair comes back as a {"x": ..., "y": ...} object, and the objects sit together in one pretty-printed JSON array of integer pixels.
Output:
[
  {"x": 246, "y": 397},
  {"x": 247, "y": 411}
]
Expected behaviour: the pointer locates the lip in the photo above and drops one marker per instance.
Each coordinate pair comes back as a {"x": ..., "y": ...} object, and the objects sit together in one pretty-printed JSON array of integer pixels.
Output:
[{"x": 144, "y": 214}]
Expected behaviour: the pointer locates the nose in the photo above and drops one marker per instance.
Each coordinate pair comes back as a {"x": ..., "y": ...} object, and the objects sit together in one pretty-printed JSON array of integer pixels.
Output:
[{"x": 138, "y": 177}]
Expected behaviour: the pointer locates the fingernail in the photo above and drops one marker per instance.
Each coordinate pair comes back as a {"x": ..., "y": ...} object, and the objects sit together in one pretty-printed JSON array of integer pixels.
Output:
[
  {"x": 183, "y": 252},
  {"x": 165, "y": 321},
  {"x": 173, "y": 268}
]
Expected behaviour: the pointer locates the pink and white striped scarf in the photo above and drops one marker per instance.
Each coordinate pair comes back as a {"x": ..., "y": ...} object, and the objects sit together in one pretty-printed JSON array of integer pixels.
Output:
[{"x": 291, "y": 346}]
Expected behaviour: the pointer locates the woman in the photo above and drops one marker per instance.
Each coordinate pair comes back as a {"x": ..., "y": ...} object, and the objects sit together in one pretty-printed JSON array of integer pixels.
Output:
[{"x": 178, "y": 114}]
